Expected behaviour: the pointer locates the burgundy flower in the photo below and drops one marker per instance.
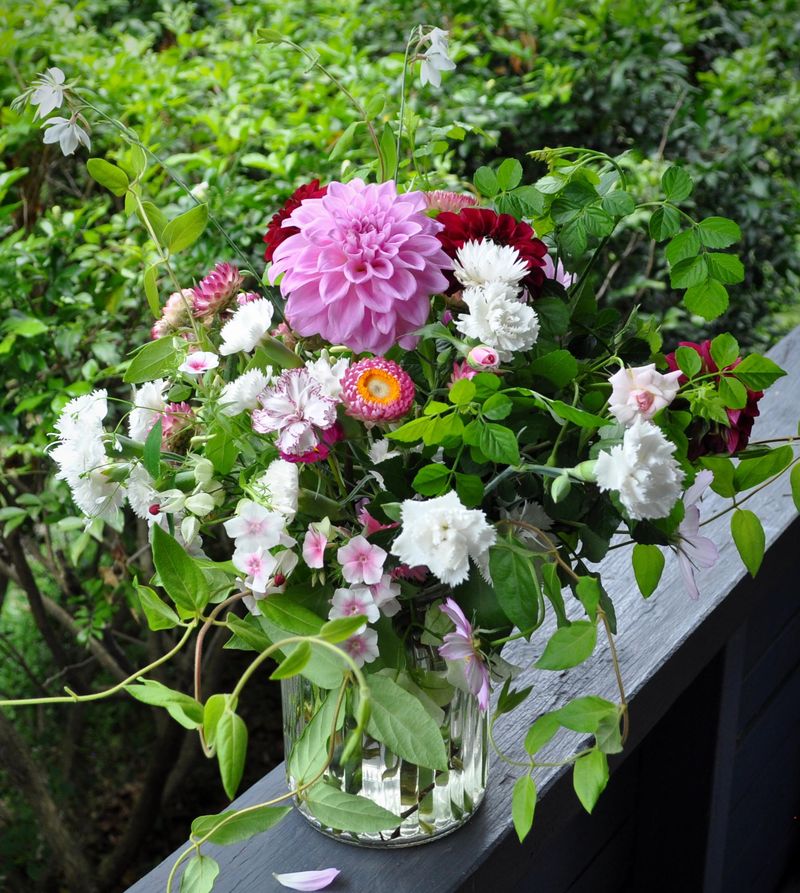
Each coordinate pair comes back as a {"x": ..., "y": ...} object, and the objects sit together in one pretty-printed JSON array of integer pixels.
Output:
[
  {"x": 474, "y": 224},
  {"x": 276, "y": 232},
  {"x": 708, "y": 436}
]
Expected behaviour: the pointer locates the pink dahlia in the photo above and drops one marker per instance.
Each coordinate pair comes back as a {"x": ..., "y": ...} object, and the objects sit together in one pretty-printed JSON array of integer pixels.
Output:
[
  {"x": 276, "y": 232},
  {"x": 362, "y": 267},
  {"x": 297, "y": 409},
  {"x": 377, "y": 390},
  {"x": 442, "y": 200},
  {"x": 217, "y": 290}
]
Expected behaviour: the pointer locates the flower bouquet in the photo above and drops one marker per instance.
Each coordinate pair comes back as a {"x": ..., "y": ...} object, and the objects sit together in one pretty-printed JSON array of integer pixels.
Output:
[{"x": 421, "y": 441}]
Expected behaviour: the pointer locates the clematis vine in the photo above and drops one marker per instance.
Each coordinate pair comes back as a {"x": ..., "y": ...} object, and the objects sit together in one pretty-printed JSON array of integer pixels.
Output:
[{"x": 694, "y": 551}]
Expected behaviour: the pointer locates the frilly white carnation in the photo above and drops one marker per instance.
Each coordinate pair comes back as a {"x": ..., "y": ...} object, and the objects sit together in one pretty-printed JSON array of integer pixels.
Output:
[
  {"x": 82, "y": 414},
  {"x": 499, "y": 319},
  {"x": 142, "y": 495},
  {"x": 328, "y": 375},
  {"x": 279, "y": 486},
  {"x": 443, "y": 535},
  {"x": 481, "y": 262},
  {"x": 245, "y": 329},
  {"x": 241, "y": 394},
  {"x": 643, "y": 471},
  {"x": 148, "y": 404}
]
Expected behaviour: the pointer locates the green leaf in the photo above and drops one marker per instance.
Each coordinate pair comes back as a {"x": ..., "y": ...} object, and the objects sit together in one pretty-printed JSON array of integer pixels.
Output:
[
  {"x": 509, "y": 174},
  {"x": 509, "y": 700},
  {"x": 540, "y": 733},
  {"x": 151, "y": 456},
  {"x": 432, "y": 480},
  {"x": 726, "y": 268},
  {"x": 664, "y": 223},
  {"x": 156, "y": 359},
  {"x": 748, "y": 534},
  {"x": 552, "y": 589},
  {"x": 109, "y": 175},
  {"x": 231, "y": 742},
  {"x": 518, "y": 591},
  {"x": 590, "y": 777},
  {"x": 523, "y": 804},
  {"x": 248, "y": 631},
  {"x": 310, "y": 753},
  {"x": 411, "y": 431},
  {"x": 577, "y": 416},
  {"x": 213, "y": 709},
  {"x": 689, "y": 361},
  {"x": 497, "y": 443},
  {"x": 221, "y": 451},
  {"x": 648, "y": 565},
  {"x": 181, "y": 707},
  {"x": 585, "y": 714},
  {"x": 757, "y": 372},
  {"x": 485, "y": 181},
  {"x": 550, "y": 184},
  {"x": 724, "y": 350},
  {"x": 155, "y": 217},
  {"x": 400, "y": 721},
  {"x": 718, "y": 232},
  {"x": 688, "y": 272},
  {"x": 497, "y": 407},
  {"x": 462, "y": 392},
  {"x": 752, "y": 472},
  {"x": 794, "y": 480},
  {"x": 271, "y": 352},
  {"x": 559, "y": 366},
  {"x": 340, "y": 629},
  {"x": 618, "y": 203},
  {"x": 724, "y": 471},
  {"x": 349, "y": 812},
  {"x": 573, "y": 238},
  {"x": 708, "y": 299},
  {"x": 589, "y": 591},
  {"x": 179, "y": 575},
  {"x": 469, "y": 488},
  {"x": 677, "y": 184},
  {"x": 201, "y": 872},
  {"x": 569, "y": 646},
  {"x": 237, "y": 825},
  {"x": 295, "y": 663},
  {"x": 608, "y": 736},
  {"x": 345, "y": 141},
  {"x": 151, "y": 290},
  {"x": 185, "y": 229},
  {"x": 683, "y": 246},
  {"x": 158, "y": 613},
  {"x": 388, "y": 151}
]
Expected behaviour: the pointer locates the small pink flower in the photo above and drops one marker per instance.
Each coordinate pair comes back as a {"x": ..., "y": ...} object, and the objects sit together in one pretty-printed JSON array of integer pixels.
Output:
[
  {"x": 255, "y": 525},
  {"x": 557, "y": 272},
  {"x": 198, "y": 362},
  {"x": 483, "y": 358},
  {"x": 362, "y": 647},
  {"x": 377, "y": 390},
  {"x": 442, "y": 200},
  {"x": 695, "y": 551},
  {"x": 462, "y": 370},
  {"x": 176, "y": 420},
  {"x": 314, "y": 548},
  {"x": 258, "y": 567},
  {"x": 216, "y": 291},
  {"x": 354, "y": 602},
  {"x": 371, "y": 525},
  {"x": 384, "y": 594},
  {"x": 361, "y": 561},
  {"x": 461, "y": 646},
  {"x": 297, "y": 410},
  {"x": 308, "y": 881},
  {"x": 641, "y": 392}
]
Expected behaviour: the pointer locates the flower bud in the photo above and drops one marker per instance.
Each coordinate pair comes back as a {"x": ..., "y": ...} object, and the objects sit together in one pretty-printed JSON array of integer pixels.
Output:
[
  {"x": 203, "y": 471},
  {"x": 483, "y": 358},
  {"x": 190, "y": 527},
  {"x": 585, "y": 471},
  {"x": 560, "y": 488},
  {"x": 200, "y": 504}
]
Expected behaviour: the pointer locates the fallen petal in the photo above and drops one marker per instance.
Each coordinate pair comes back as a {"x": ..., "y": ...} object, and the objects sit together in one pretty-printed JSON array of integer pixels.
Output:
[{"x": 308, "y": 880}]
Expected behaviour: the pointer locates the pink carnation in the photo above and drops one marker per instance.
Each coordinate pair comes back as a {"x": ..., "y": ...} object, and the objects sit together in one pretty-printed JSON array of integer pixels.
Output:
[{"x": 362, "y": 267}]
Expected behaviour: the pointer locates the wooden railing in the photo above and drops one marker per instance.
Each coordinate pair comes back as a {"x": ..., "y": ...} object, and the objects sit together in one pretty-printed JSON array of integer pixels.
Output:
[{"x": 706, "y": 796}]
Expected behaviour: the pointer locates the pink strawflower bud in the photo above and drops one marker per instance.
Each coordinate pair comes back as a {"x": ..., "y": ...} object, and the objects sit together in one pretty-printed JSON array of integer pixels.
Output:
[
  {"x": 442, "y": 200},
  {"x": 462, "y": 370},
  {"x": 216, "y": 291},
  {"x": 483, "y": 358},
  {"x": 377, "y": 390},
  {"x": 247, "y": 297}
]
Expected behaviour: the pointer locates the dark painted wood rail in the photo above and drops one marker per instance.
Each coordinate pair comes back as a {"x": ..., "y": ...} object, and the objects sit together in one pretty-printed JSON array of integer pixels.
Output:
[{"x": 706, "y": 796}]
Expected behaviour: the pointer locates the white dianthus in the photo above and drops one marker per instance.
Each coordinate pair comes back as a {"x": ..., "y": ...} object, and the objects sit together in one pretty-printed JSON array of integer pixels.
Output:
[
  {"x": 279, "y": 486},
  {"x": 142, "y": 495},
  {"x": 643, "y": 471},
  {"x": 241, "y": 394},
  {"x": 443, "y": 535},
  {"x": 82, "y": 414},
  {"x": 148, "y": 404},
  {"x": 328, "y": 375},
  {"x": 245, "y": 329},
  {"x": 481, "y": 262},
  {"x": 498, "y": 319}
]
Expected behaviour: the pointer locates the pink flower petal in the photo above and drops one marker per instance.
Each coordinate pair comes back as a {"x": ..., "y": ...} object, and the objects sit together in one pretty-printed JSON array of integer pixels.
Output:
[{"x": 308, "y": 880}]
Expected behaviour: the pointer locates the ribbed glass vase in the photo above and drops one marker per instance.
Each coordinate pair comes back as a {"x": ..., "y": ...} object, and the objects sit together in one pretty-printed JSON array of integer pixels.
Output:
[{"x": 431, "y": 803}]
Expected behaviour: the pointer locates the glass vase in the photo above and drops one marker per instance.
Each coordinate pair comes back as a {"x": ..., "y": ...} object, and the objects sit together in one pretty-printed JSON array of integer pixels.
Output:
[{"x": 431, "y": 803}]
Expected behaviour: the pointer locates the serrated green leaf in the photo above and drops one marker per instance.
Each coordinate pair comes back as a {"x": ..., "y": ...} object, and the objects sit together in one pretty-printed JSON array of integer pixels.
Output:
[
  {"x": 558, "y": 366},
  {"x": 618, "y": 203},
  {"x": 462, "y": 392},
  {"x": 664, "y": 223},
  {"x": 732, "y": 393},
  {"x": 757, "y": 372},
  {"x": 683, "y": 246},
  {"x": 726, "y": 268},
  {"x": 677, "y": 184},
  {"x": 411, "y": 431},
  {"x": 569, "y": 646},
  {"x": 688, "y": 272},
  {"x": 523, "y": 804},
  {"x": 470, "y": 490},
  {"x": 709, "y": 299},
  {"x": 432, "y": 480},
  {"x": 648, "y": 565},
  {"x": 688, "y": 361},
  {"x": 724, "y": 350},
  {"x": 748, "y": 534},
  {"x": 718, "y": 232}
]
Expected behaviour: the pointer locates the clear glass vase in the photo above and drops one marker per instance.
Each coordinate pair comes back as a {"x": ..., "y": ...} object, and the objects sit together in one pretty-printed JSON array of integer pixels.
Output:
[{"x": 431, "y": 803}]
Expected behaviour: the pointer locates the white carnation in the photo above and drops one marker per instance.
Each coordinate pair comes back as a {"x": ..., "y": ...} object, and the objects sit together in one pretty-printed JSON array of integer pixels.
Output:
[
  {"x": 481, "y": 262},
  {"x": 241, "y": 394},
  {"x": 148, "y": 404},
  {"x": 328, "y": 375},
  {"x": 82, "y": 464},
  {"x": 279, "y": 486},
  {"x": 443, "y": 535},
  {"x": 498, "y": 319},
  {"x": 82, "y": 414},
  {"x": 142, "y": 495},
  {"x": 643, "y": 471},
  {"x": 245, "y": 329}
]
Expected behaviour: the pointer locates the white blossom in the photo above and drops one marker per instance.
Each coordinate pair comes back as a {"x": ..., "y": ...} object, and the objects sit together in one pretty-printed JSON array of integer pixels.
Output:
[
  {"x": 67, "y": 133},
  {"x": 143, "y": 498},
  {"x": 254, "y": 526},
  {"x": 641, "y": 392},
  {"x": 481, "y": 262},
  {"x": 643, "y": 471},
  {"x": 241, "y": 394},
  {"x": 354, "y": 602},
  {"x": 83, "y": 414},
  {"x": 245, "y": 329},
  {"x": 148, "y": 404},
  {"x": 436, "y": 59},
  {"x": 499, "y": 319},
  {"x": 381, "y": 451},
  {"x": 198, "y": 362},
  {"x": 327, "y": 374},
  {"x": 279, "y": 486},
  {"x": 443, "y": 535},
  {"x": 48, "y": 94}
]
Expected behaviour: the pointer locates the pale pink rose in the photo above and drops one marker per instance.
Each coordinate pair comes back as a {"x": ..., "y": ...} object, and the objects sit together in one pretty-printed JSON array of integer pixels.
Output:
[
  {"x": 314, "y": 548},
  {"x": 361, "y": 561},
  {"x": 640, "y": 392},
  {"x": 355, "y": 602},
  {"x": 483, "y": 358}
]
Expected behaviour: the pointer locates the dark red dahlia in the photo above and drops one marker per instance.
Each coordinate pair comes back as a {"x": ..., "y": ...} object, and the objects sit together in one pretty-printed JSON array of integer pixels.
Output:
[
  {"x": 474, "y": 224},
  {"x": 276, "y": 233},
  {"x": 708, "y": 436}
]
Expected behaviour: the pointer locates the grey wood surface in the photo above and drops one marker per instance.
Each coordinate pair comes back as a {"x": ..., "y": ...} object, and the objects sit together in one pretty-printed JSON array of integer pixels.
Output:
[{"x": 668, "y": 637}]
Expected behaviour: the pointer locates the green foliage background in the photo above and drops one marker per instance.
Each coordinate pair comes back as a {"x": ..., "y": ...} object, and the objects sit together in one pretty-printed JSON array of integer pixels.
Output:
[{"x": 712, "y": 84}]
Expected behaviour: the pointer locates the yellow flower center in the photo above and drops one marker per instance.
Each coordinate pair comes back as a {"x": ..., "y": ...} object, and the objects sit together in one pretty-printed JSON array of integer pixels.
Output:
[{"x": 378, "y": 386}]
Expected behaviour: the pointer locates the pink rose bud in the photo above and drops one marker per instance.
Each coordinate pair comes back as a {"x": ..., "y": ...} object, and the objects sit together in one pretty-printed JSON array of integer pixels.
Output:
[{"x": 483, "y": 358}]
